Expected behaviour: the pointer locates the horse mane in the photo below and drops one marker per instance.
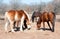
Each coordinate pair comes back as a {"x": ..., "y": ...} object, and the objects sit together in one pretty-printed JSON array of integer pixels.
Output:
[{"x": 26, "y": 14}]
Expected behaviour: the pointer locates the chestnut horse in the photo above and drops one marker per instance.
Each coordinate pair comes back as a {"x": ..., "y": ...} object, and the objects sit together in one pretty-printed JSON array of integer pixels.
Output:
[
  {"x": 46, "y": 17},
  {"x": 17, "y": 16}
]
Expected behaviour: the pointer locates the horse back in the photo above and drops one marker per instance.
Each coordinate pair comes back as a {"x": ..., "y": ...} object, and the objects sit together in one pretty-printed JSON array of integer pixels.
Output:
[
  {"x": 44, "y": 16},
  {"x": 51, "y": 15},
  {"x": 14, "y": 15},
  {"x": 10, "y": 14},
  {"x": 21, "y": 13}
]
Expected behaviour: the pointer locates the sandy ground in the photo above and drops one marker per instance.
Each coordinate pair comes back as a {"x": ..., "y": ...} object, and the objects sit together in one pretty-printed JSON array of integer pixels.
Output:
[{"x": 32, "y": 33}]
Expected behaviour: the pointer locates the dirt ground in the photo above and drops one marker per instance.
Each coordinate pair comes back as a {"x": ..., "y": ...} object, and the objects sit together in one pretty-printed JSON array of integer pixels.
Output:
[{"x": 32, "y": 33}]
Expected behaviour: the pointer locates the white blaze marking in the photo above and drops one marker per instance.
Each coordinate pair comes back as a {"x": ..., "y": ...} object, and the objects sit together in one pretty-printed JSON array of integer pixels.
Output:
[{"x": 37, "y": 18}]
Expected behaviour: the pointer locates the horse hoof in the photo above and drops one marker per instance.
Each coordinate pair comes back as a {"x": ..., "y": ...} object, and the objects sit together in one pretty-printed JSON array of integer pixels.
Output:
[
  {"x": 29, "y": 28},
  {"x": 21, "y": 30},
  {"x": 44, "y": 29},
  {"x": 12, "y": 31},
  {"x": 38, "y": 29},
  {"x": 52, "y": 30},
  {"x": 6, "y": 31}
]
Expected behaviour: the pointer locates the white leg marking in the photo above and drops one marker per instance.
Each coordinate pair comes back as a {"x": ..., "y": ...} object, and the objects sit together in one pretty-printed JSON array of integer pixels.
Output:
[
  {"x": 11, "y": 25},
  {"x": 22, "y": 20},
  {"x": 6, "y": 25}
]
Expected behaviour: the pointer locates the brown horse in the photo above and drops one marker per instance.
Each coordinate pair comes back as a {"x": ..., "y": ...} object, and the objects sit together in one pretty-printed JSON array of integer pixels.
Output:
[
  {"x": 17, "y": 16},
  {"x": 46, "y": 17}
]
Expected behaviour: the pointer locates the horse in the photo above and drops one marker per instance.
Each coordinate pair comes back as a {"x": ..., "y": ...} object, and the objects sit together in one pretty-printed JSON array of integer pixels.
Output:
[
  {"x": 18, "y": 16},
  {"x": 46, "y": 17},
  {"x": 35, "y": 14}
]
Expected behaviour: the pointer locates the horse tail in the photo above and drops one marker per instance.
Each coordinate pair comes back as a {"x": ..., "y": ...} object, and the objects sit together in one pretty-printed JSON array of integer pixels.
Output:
[
  {"x": 5, "y": 18},
  {"x": 54, "y": 18},
  {"x": 53, "y": 22}
]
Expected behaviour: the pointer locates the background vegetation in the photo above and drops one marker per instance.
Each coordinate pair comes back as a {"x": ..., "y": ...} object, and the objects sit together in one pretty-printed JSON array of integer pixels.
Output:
[{"x": 16, "y": 5}]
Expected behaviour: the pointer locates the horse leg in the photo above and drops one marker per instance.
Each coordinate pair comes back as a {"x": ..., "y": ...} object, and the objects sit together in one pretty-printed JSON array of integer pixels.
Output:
[
  {"x": 38, "y": 25},
  {"x": 44, "y": 26},
  {"x": 28, "y": 25},
  {"x": 11, "y": 26},
  {"x": 53, "y": 25},
  {"x": 25, "y": 25},
  {"x": 6, "y": 25},
  {"x": 49, "y": 25},
  {"x": 16, "y": 23},
  {"x": 22, "y": 21}
]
